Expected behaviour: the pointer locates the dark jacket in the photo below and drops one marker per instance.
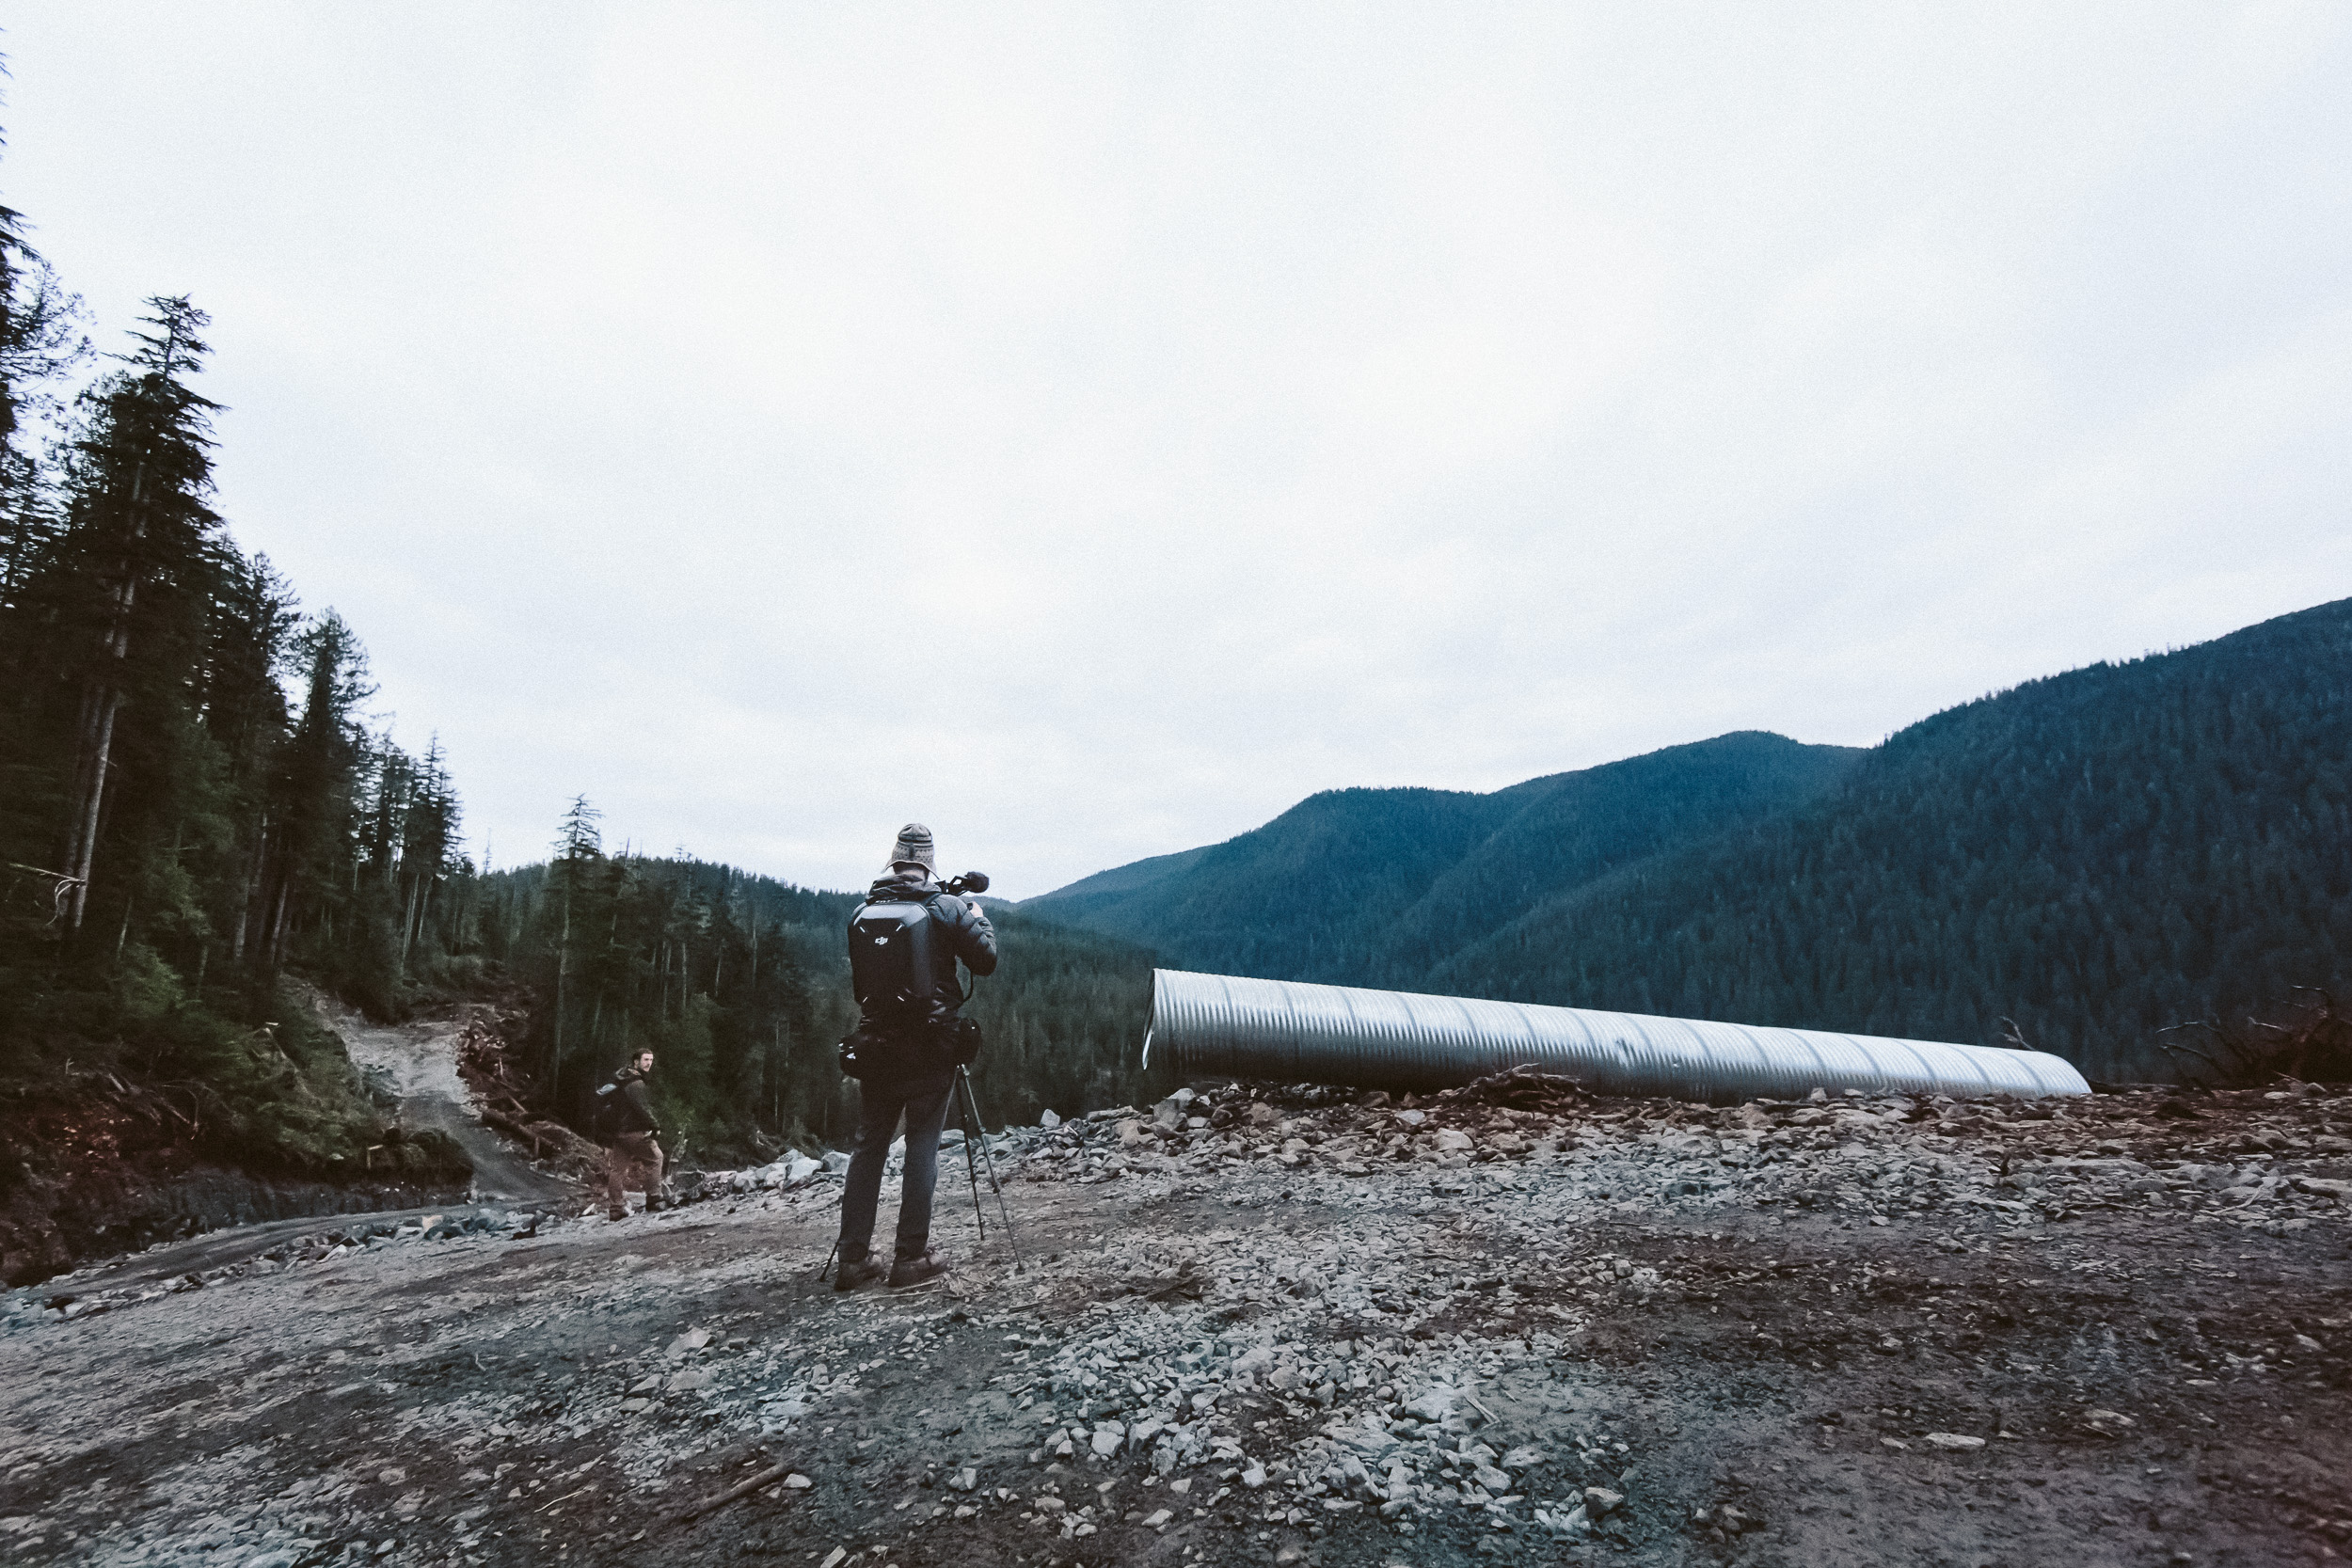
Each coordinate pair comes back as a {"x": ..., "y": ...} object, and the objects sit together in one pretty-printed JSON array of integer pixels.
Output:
[
  {"x": 963, "y": 923},
  {"x": 634, "y": 1113}
]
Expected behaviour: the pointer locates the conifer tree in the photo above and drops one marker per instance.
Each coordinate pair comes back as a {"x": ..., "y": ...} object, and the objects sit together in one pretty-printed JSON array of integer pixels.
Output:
[
  {"x": 306, "y": 841},
  {"x": 132, "y": 570},
  {"x": 579, "y": 849},
  {"x": 40, "y": 336},
  {"x": 41, "y": 340}
]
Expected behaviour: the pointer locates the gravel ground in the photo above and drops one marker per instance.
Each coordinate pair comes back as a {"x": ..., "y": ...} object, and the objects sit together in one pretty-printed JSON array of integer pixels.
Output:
[{"x": 1277, "y": 1327}]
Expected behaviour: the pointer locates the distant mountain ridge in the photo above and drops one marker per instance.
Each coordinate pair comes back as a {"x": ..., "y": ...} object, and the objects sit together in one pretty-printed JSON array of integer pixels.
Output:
[
  {"x": 2095, "y": 855},
  {"x": 1370, "y": 886}
]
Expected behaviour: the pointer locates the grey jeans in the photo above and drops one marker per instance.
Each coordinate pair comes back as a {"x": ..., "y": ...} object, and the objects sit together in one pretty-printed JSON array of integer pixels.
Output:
[{"x": 924, "y": 1103}]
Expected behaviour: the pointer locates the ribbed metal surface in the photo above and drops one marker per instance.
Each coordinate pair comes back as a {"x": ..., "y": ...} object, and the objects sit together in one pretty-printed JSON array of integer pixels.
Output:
[{"x": 1224, "y": 1026}]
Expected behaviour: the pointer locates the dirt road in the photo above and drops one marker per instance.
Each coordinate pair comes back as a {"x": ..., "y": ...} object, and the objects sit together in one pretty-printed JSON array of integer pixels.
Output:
[
  {"x": 1632, "y": 1333},
  {"x": 418, "y": 1061}
]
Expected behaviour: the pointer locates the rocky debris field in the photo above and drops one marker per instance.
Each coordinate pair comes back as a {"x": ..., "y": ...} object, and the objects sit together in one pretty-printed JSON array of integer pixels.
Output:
[{"x": 1505, "y": 1323}]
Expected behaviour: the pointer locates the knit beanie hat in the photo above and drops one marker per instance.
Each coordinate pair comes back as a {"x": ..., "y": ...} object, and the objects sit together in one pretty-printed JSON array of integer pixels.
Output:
[{"x": 913, "y": 846}]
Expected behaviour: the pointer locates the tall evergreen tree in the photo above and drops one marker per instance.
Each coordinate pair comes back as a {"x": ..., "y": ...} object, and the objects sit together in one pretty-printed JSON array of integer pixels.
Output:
[
  {"x": 579, "y": 853},
  {"x": 40, "y": 340},
  {"x": 306, "y": 838},
  {"x": 135, "y": 569}
]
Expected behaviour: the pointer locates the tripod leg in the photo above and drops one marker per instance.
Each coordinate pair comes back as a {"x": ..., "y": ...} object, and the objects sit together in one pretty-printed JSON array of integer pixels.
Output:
[
  {"x": 971, "y": 1170},
  {"x": 1005, "y": 1213},
  {"x": 979, "y": 1211},
  {"x": 963, "y": 1085}
]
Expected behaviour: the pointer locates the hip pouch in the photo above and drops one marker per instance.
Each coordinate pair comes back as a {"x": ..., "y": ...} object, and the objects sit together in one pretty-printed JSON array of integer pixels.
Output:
[
  {"x": 954, "y": 1041},
  {"x": 862, "y": 1052},
  {"x": 920, "y": 1048}
]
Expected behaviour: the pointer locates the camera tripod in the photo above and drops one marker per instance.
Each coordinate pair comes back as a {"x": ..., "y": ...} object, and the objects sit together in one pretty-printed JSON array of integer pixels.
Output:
[{"x": 967, "y": 1101}]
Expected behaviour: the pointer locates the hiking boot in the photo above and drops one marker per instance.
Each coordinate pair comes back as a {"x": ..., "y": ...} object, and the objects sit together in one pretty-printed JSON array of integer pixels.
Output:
[
  {"x": 616, "y": 1213},
  {"x": 923, "y": 1269},
  {"x": 856, "y": 1272}
]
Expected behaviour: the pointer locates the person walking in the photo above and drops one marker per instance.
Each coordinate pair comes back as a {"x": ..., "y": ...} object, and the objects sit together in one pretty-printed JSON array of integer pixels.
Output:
[
  {"x": 904, "y": 943},
  {"x": 633, "y": 1156}
]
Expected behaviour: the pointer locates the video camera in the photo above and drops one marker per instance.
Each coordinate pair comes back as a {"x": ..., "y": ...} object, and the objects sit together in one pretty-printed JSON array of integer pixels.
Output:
[{"x": 971, "y": 881}]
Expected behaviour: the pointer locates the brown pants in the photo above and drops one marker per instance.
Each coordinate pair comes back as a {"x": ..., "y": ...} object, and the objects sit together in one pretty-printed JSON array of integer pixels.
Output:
[{"x": 634, "y": 1161}]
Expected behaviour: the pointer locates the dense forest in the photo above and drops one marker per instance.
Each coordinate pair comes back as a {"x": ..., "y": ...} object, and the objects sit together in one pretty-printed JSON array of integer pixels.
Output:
[
  {"x": 192, "y": 803},
  {"x": 739, "y": 985},
  {"x": 194, "y": 808},
  {"x": 2096, "y": 856},
  {"x": 2087, "y": 858}
]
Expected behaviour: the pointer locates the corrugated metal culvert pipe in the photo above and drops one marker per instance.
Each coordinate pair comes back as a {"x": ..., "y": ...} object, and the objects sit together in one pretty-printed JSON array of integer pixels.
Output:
[{"x": 1224, "y": 1026}]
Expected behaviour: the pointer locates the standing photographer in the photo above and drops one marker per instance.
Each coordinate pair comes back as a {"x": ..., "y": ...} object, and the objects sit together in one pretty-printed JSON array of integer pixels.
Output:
[{"x": 904, "y": 942}]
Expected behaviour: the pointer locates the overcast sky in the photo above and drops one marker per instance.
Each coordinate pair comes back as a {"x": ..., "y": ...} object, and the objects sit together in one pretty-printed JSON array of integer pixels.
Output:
[{"x": 1091, "y": 429}]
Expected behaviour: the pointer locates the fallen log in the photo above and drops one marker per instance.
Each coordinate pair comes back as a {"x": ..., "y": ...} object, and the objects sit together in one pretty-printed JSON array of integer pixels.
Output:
[
  {"x": 512, "y": 1127},
  {"x": 767, "y": 1477}
]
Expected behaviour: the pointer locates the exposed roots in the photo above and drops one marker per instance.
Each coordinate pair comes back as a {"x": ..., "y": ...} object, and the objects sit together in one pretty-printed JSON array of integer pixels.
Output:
[{"x": 2306, "y": 1038}]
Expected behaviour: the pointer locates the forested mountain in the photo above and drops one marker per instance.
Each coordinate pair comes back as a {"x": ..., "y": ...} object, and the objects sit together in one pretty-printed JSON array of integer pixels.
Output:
[
  {"x": 1370, "y": 886},
  {"x": 2097, "y": 855},
  {"x": 739, "y": 984},
  {"x": 2094, "y": 856}
]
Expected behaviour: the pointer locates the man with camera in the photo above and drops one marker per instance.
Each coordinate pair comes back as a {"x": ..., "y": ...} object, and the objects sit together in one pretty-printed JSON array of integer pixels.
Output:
[{"x": 904, "y": 942}]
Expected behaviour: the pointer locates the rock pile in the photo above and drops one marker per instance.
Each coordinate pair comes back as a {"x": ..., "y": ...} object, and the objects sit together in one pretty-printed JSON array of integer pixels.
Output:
[{"x": 2276, "y": 1158}]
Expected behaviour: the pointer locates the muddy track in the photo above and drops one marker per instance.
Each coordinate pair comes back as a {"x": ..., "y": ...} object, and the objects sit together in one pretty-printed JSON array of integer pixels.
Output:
[
  {"x": 2123, "y": 1386},
  {"x": 418, "y": 1060}
]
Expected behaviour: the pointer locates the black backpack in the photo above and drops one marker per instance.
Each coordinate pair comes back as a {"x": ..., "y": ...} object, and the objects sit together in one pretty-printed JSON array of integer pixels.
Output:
[
  {"x": 890, "y": 956},
  {"x": 891, "y": 971},
  {"x": 604, "y": 1120}
]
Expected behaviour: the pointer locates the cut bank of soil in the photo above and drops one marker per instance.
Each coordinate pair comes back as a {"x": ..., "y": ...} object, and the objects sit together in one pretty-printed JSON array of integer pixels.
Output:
[
  {"x": 1683, "y": 1318},
  {"x": 96, "y": 1166}
]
